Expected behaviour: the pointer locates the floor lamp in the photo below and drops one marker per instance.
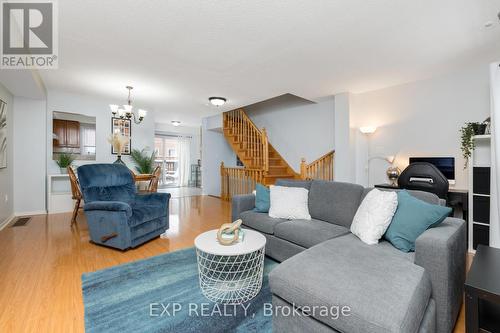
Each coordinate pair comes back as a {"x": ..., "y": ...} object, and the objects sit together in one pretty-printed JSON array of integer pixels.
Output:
[{"x": 368, "y": 130}]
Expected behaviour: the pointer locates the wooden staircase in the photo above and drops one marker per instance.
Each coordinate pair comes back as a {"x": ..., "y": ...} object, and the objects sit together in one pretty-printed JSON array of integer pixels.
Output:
[
  {"x": 262, "y": 162},
  {"x": 253, "y": 148}
]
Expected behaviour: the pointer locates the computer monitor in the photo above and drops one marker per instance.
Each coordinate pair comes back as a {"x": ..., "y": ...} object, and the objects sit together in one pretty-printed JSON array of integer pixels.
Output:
[{"x": 445, "y": 164}]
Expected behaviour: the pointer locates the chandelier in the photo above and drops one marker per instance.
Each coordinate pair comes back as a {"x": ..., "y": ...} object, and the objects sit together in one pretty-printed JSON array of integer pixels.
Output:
[{"x": 126, "y": 112}]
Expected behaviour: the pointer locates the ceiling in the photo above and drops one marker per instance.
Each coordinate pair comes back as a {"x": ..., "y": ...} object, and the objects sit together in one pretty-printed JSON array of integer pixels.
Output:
[{"x": 178, "y": 53}]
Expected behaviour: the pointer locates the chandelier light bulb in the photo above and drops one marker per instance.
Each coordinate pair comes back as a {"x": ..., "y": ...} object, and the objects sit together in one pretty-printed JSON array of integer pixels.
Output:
[{"x": 114, "y": 108}]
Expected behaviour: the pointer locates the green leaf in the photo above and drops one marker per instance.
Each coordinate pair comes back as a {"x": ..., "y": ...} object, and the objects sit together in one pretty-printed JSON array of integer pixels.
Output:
[
  {"x": 64, "y": 160},
  {"x": 143, "y": 162}
]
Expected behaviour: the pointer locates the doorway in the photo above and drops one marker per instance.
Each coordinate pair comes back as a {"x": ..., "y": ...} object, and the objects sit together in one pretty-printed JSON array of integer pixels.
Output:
[{"x": 173, "y": 155}]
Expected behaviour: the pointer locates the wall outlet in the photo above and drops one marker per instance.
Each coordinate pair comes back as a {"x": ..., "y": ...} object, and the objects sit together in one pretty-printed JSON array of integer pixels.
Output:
[{"x": 6, "y": 198}]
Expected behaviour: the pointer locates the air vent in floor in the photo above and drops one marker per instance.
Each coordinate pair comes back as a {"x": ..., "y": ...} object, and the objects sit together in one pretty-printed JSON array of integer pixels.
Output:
[{"x": 22, "y": 221}]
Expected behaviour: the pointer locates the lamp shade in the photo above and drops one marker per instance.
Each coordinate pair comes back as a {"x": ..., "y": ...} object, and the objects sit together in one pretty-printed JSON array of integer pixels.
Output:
[
  {"x": 368, "y": 129},
  {"x": 114, "y": 108}
]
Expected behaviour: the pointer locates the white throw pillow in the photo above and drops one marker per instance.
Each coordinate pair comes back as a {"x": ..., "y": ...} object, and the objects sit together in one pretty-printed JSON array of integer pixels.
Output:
[
  {"x": 289, "y": 203},
  {"x": 374, "y": 215}
]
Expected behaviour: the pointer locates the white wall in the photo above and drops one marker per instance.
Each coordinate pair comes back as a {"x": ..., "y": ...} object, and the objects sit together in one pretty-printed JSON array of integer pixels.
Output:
[
  {"x": 142, "y": 134},
  {"x": 7, "y": 174},
  {"x": 295, "y": 127},
  {"x": 344, "y": 158},
  {"x": 421, "y": 119},
  {"x": 29, "y": 155},
  {"x": 215, "y": 150}
]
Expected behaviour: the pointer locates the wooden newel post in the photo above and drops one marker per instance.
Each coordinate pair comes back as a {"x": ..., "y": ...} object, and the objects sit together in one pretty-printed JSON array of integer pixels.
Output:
[
  {"x": 223, "y": 186},
  {"x": 303, "y": 168},
  {"x": 265, "y": 144}
]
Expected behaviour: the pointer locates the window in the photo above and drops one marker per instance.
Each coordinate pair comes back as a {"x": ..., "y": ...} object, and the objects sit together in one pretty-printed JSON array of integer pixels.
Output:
[
  {"x": 159, "y": 148},
  {"x": 88, "y": 138},
  {"x": 166, "y": 156}
]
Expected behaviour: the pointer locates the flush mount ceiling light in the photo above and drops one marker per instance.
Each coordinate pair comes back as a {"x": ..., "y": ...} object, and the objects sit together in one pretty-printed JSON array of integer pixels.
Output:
[
  {"x": 217, "y": 101},
  {"x": 489, "y": 24},
  {"x": 176, "y": 123}
]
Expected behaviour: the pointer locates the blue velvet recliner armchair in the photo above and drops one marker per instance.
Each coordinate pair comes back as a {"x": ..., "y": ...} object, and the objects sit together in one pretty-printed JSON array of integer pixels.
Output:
[{"x": 116, "y": 215}]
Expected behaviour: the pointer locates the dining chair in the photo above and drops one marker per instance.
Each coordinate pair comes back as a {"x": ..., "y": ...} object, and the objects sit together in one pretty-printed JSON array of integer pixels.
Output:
[
  {"x": 76, "y": 193},
  {"x": 153, "y": 183}
]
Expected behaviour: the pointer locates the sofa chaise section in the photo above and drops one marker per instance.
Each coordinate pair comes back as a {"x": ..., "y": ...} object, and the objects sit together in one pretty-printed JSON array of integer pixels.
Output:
[{"x": 384, "y": 293}]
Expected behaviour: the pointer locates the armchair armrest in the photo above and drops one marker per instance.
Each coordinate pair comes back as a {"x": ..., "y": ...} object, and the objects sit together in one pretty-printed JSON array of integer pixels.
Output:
[
  {"x": 113, "y": 206},
  {"x": 153, "y": 198},
  {"x": 240, "y": 204},
  {"x": 441, "y": 251}
]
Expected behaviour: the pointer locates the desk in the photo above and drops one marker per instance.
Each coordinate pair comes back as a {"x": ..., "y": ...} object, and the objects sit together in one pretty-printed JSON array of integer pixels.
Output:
[{"x": 456, "y": 198}]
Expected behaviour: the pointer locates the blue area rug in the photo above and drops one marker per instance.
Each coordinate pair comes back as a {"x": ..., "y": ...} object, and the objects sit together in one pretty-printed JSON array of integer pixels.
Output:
[{"x": 162, "y": 294}]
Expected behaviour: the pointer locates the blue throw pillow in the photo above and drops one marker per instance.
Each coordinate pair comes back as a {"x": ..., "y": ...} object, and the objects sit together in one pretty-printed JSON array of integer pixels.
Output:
[
  {"x": 262, "y": 199},
  {"x": 412, "y": 218}
]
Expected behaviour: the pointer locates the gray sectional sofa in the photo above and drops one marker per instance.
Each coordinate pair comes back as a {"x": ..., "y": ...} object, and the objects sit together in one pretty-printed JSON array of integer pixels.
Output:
[{"x": 324, "y": 265}]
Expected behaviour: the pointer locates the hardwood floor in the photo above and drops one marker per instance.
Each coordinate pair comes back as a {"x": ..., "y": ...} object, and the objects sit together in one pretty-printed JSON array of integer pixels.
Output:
[{"x": 41, "y": 263}]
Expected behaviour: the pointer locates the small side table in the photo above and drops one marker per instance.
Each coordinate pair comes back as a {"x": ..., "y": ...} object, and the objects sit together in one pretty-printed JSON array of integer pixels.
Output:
[
  {"x": 230, "y": 274},
  {"x": 482, "y": 292}
]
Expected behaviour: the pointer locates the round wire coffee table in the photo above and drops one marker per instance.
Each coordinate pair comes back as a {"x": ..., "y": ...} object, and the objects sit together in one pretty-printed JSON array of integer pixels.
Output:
[{"x": 230, "y": 274}]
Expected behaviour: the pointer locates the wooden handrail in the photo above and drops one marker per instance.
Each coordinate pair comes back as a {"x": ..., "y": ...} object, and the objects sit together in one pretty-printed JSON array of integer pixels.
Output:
[
  {"x": 237, "y": 123},
  {"x": 265, "y": 144},
  {"x": 330, "y": 153},
  {"x": 247, "y": 118},
  {"x": 237, "y": 180},
  {"x": 321, "y": 168}
]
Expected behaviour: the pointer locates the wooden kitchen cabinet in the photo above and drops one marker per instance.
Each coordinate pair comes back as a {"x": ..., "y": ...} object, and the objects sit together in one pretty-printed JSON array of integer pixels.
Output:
[
  {"x": 72, "y": 134},
  {"x": 67, "y": 133},
  {"x": 60, "y": 132}
]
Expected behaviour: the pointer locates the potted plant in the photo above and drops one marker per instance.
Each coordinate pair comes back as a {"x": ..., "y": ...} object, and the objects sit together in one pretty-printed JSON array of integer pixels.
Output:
[
  {"x": 64, "y": 160},
  {"x": 144, "y": 163},
  {"x": 478, "y": 128}
]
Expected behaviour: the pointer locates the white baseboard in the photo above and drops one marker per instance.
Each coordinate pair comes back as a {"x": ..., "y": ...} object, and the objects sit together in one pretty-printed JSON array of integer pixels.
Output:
[
  {"x": 35, "y": 212},
  {"x": 6, "y": 222},
  {"x": 61, "y": 211}
]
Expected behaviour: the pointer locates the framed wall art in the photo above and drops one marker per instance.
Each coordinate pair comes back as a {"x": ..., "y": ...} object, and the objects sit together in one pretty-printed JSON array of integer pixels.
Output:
[{"x": 124, "y": 126}]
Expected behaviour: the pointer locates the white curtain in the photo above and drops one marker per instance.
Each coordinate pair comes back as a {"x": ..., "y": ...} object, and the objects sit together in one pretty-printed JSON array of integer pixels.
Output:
[
  {"x": 495, "y": 156},
  {"x": 184, "y": 156}
]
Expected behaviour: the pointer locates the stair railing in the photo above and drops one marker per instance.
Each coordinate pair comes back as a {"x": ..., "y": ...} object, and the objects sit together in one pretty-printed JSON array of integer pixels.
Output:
[
  {"x": 265, "y": 144},
  {"x": 253, "y": 140},
  {"x": 238, "y": 180},
  {"x": 321, "y": 169}
]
